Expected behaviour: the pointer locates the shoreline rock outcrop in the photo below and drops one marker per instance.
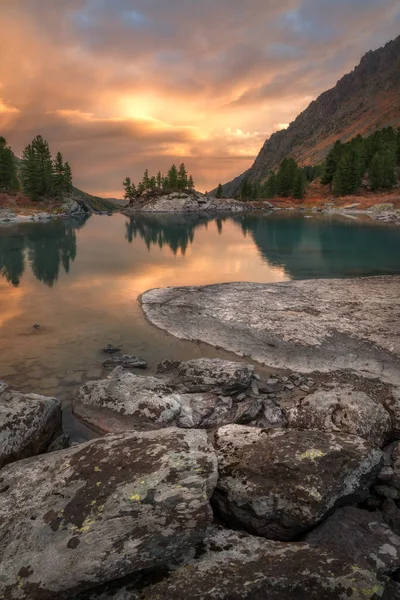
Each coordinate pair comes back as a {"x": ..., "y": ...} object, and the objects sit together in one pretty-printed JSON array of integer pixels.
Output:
[
  {"x": 305, "y": 326},
  {"x": 192, "y": 202}
]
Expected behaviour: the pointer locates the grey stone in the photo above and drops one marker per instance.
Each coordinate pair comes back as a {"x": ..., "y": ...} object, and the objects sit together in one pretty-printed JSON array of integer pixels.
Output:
[
  {"x": 59, "y": 443},
  {"x": 342, "y": 409},
  {"x": 386, "y": 474},
  {"x": 27, "y": 424},
  {"x": 208, "y": 375},
  {"x": 112, "y": 507},
  {"x": 387, "y": 491},
  {"x": 126, "y": 361},
  {"x": 280, "y": 482},
  {"x": 353, "y": 323},
  {"x": 110, "y": 349},
  {"x": 236, "y": 566},
  {"x": 361, "y": 538},
  {"x": 184, "y": 394}
]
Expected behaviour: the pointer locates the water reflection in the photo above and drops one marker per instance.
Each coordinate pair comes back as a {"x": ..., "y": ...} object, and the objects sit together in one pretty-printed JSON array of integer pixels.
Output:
[
  {"x": 175, "y": 231},
  {"x": 324, "y": 247},
  {"x": 44, "y": 246}
]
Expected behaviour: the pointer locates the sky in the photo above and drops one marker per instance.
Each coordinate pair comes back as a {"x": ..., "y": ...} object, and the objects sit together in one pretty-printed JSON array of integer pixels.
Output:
[{"x": 119, "y": 86}]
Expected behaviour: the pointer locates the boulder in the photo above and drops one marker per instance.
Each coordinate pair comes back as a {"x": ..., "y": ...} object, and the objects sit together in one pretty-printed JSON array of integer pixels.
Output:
[
  {"x": 342, "y": 409},
  {"x": 236, "y": 566},
  {"x": 110, "y": 349},
  {"x": 280, "y": 482},
  {"x": 27, "y": 424},
  {"x": 106, "y": 509},
  {"x": 361, "y": 538},
  {"x": 196, "y": 393},
  {"x": 126, "y": 401},
  {"x": 208, "y": 375}
]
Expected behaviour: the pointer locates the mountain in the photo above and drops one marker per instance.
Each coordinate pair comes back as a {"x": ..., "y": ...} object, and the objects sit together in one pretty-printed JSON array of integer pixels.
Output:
[
  {"x": 361, "y": 102},
  {"x": 97, "y": 203}
]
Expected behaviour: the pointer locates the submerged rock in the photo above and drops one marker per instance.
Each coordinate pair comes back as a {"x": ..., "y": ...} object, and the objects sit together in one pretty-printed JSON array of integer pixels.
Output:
[
  {"x": 304, "y": 326},
  {"x": 103, "y": 510},
  {"x": 198, "y": 393},
  {"x": 110, "y": 349},
  {"x": 127, "y": 361},
  {"x": 281, "y": 482},
  {"x": 236, "y": 566},
  {"x": 342, "y": 409},
  {"x": 27, "y": 423}
]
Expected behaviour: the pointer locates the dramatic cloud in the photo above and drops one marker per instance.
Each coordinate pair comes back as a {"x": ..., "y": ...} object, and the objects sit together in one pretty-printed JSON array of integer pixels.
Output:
[{"x": 124, "y": 85}]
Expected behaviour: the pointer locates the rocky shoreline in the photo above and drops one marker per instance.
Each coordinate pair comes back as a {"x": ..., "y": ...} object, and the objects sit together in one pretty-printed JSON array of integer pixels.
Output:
[
  {"x": 213, "y": 481},
  {"x": 70, "y": 209},
  {"x": 189, "y": 203}
]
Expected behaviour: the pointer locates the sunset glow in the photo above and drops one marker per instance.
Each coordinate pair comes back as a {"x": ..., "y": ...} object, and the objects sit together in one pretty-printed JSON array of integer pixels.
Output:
[{"x": 121, "y": 86}]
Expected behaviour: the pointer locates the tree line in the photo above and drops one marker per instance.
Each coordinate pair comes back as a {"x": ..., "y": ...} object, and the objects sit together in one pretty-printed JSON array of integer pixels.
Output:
[
  {"x": 375, "y": 157},
  {"x": 289, "y": 180},
  {"x": 176, "y": 180},
  {"x": 37, "y": 174}
]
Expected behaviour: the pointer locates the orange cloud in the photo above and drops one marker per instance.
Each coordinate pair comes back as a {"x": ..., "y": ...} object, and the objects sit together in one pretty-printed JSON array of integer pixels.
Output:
[{"x": 125, "y": 85}]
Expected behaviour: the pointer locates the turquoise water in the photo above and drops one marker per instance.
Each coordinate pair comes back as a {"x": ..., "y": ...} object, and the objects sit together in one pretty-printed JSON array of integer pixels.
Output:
[{"x": 79, "y": 281}]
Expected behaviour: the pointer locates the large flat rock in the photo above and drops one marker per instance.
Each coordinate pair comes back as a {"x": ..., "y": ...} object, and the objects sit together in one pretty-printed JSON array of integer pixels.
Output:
[
  {"x": 305, "y": 326},
  {"x": 27, "y": 423},
  {"x": 112, "y": 507},
  {"x": 236, "y": 566},
  {"x": 280, "y": 482}
]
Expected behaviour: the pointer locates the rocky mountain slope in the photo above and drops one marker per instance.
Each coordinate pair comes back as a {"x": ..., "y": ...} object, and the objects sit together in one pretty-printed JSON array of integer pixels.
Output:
[{"x": 362, "y": 101}]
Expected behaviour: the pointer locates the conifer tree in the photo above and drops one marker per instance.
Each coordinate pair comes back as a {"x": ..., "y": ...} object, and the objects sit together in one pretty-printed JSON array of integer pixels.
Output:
[
  {"x": 299, "y": 185},
  {"x": 190, "y": 183},
  {"x": 67, "y": 178},
  {"x": 270, "y": 185},
  {"x": 130, "y": 189},
  {"x": 331, "y": 163},
  {"x": 37, "y": 169},
  {"x": 182, "y": 178},
  {"x": 146, "y": 180},
  {"x": 219, "y": 191},
  {"x": 173, "y": 178},
  {"x": 59, "y": 176},
  {"x": 286, "y": 177},
  {"x": 159, "y": 179},
  {"x": 8, "y": 169},
  {"x": 152, "y": 184}
]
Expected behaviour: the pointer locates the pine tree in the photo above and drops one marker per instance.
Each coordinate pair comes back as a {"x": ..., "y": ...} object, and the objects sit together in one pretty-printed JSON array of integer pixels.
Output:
[
  {"x": 347, "y": 178},
  {"x": 182, "y": 178},
  {"x": 398, "y": 145},
  {"x": 146, "y": 180},
  {"x": 270, "y": 186},
  {"x": 190, "y": 183},
  {"x": 219, "y": 191},
  {"x": 37, "y": 169},
  {"x": 59, "y": 176},
  {"x": 332, "y": 163},
  {"x": 173, "y": 179},
  {"x": 299, "y": 185},
  {"x": 152, "y": 184},
  {"x": 286, "y": 177},
  {"x": 130, "y": 189},
  {"x": 159, "y": 180},
  {"x": 8, "y": 169},
  {"x": 141, "y": 188},
  {"x": 67, "y": 179}
]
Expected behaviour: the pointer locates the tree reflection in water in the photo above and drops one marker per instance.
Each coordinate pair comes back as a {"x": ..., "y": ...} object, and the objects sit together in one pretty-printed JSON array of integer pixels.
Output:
[{"x": 44, "y": 246}]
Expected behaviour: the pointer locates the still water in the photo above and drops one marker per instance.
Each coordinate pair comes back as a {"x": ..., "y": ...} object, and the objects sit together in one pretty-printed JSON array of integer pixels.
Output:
[{"x": 79, "y": 281}]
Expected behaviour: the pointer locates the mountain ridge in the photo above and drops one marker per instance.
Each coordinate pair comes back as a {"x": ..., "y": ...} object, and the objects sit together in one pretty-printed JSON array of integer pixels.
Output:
[{"x": 361, "y": 101}]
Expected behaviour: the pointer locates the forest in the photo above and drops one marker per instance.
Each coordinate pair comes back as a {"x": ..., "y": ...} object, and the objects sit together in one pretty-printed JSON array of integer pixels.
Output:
[
  {"x": 176, "y": 180},
  {"x": 373, "y": 161},
  {"x": 38, "y": 175}
]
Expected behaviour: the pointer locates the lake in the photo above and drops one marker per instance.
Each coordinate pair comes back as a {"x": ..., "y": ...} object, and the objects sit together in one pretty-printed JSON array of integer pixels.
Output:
[{"x": 79, "y": 281}]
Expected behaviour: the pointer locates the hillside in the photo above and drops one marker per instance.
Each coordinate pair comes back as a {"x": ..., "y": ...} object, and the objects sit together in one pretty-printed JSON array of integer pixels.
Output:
[{"x": 362, "y": 101}]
